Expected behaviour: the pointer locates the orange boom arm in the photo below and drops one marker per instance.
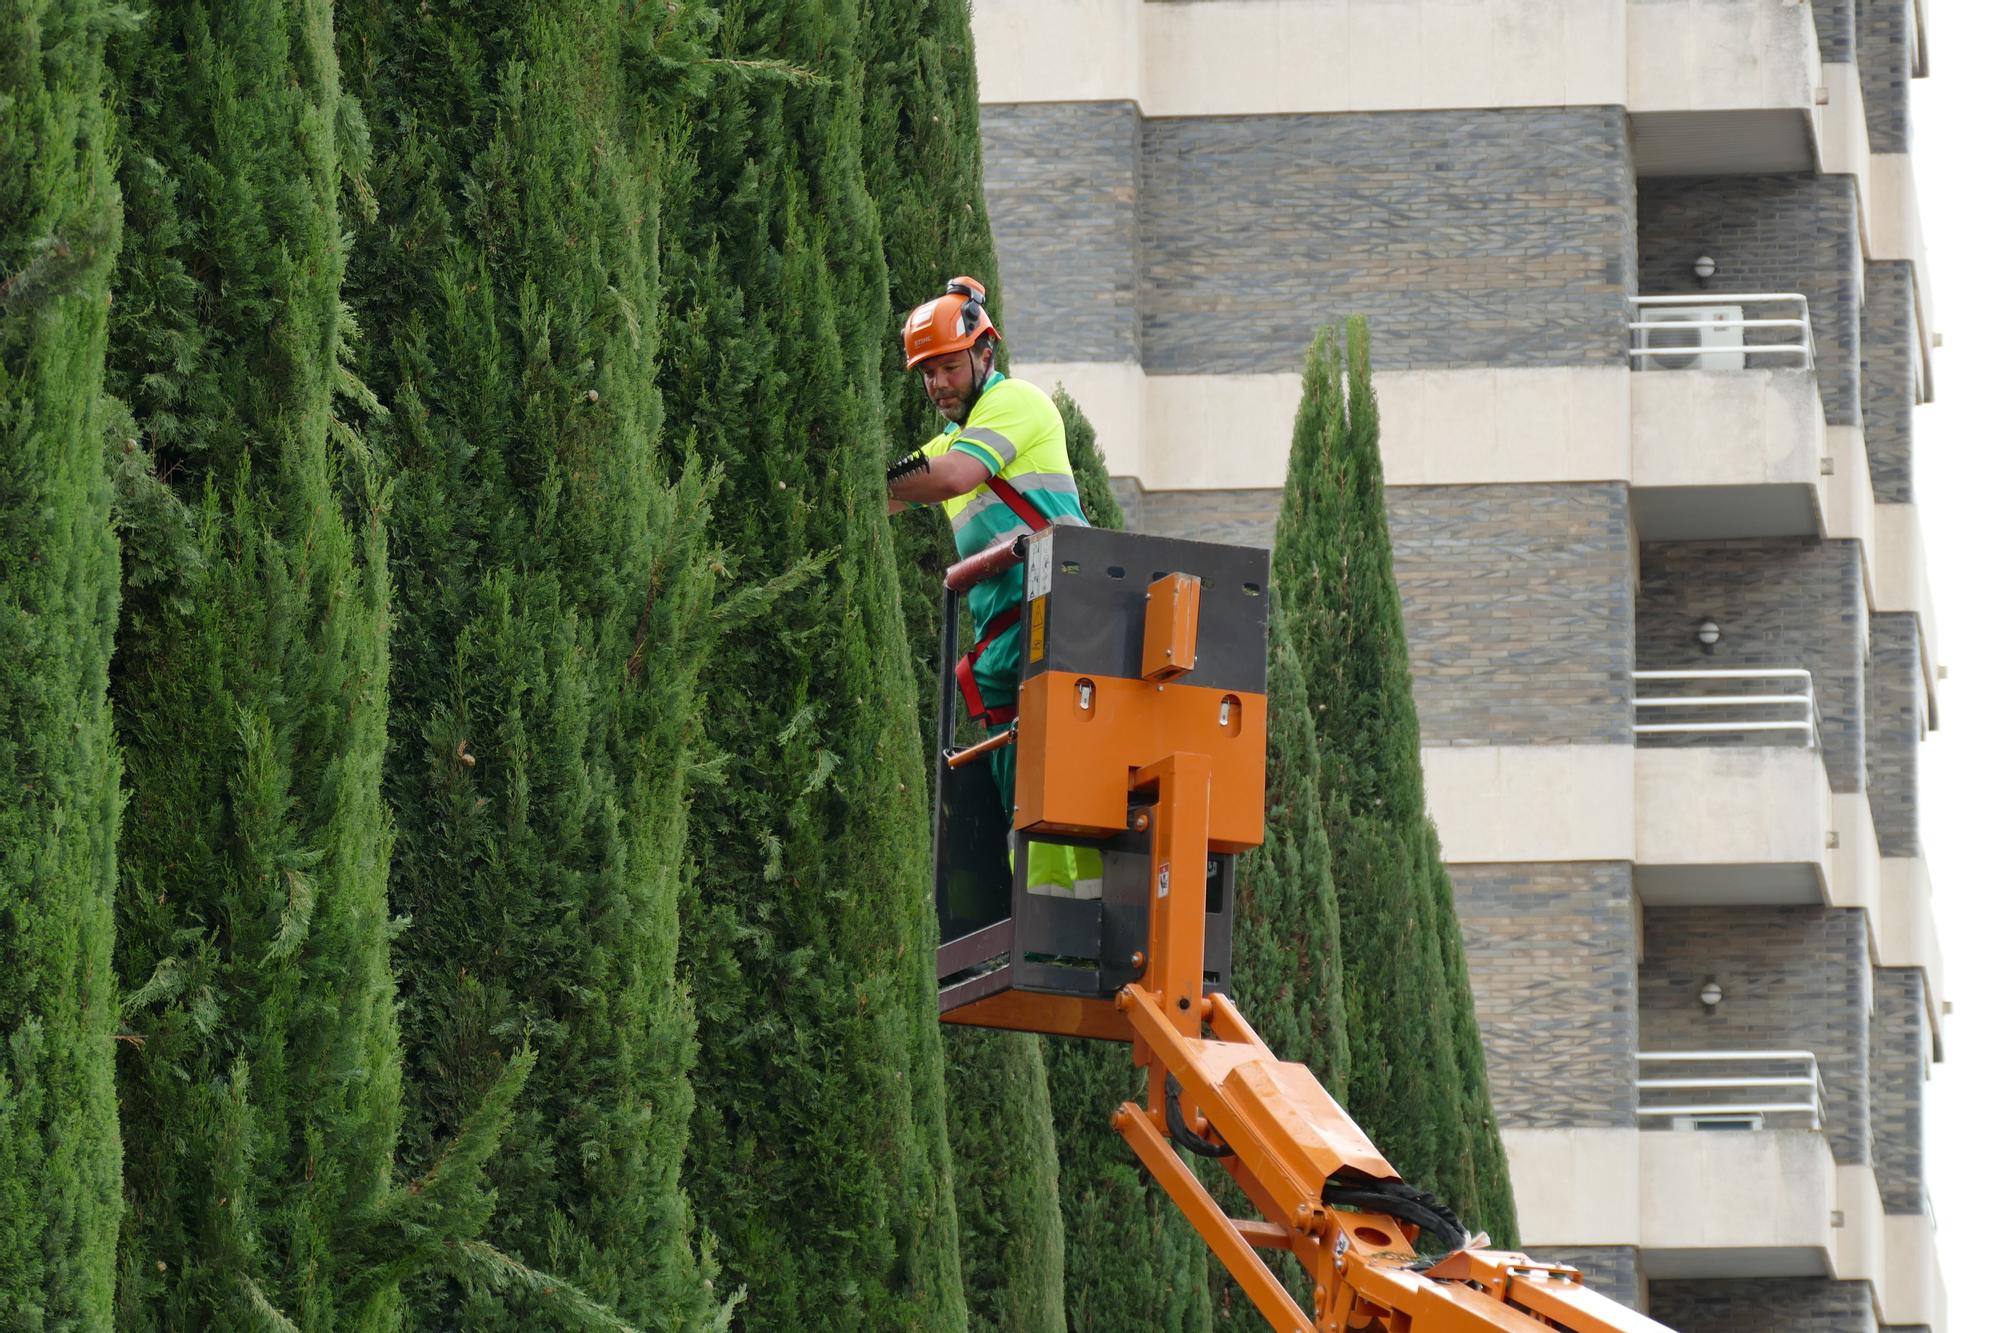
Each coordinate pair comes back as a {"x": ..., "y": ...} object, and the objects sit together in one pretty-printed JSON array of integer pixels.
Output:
[{"x": 1142, "y": 734}]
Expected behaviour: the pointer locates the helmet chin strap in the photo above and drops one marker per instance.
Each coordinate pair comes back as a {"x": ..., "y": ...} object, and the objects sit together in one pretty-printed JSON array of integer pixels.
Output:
[{"x": 979, "y": 382}]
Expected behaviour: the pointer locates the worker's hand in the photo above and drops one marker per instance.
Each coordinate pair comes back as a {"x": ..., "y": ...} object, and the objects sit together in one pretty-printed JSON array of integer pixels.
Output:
[{"x": 950, "y": 474}]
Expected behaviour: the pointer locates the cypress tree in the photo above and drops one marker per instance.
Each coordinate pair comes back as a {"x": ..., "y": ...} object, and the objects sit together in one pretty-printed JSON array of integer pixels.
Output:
[
  {"x": 1406, "y": 1007},
  {"x": 920, "y": 139},
  {"x": 921, "y": 136},
  {"x": 821, "y": 1159},
  {"x": 1286, "y": 969},
  {"x": 261, "y": 1091},
  {"x": 1287, "y": 966},
  {"x": 1131, "y": 1261},
  {"x": 554, "y": 608},
  {"x": 262, "y": 1083},
  {"x": 59, "y": 228}
]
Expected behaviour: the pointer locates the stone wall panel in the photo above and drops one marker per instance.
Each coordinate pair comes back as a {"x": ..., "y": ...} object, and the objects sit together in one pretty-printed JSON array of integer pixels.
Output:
[
  {"x": 1780, "y": 602},
  {"x": 1834, "y": 21},
  {"x": 1550, "y": 949},
  {"x": 1897, "y": 1062},
  {"x": 1896, "y": 709},
  {"x": 1882, "y": 40},
  {"x": 1792, "y": 978},
  {"x": 1782, "y": 233},
  {"x": 1062, "y": 189},
  {"x": 1890, "y": 377},
  {"x": 1469, "y": 238},
  {"x": 1768, "y": 1305}
]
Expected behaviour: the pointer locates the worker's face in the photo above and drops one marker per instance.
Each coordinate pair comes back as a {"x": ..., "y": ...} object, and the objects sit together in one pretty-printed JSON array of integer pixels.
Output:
[{"x": 951, "y": 378}]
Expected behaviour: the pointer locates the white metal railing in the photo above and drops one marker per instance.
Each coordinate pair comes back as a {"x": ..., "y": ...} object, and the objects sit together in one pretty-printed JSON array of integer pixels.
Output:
[
  {"x": 1707, "y": 701},
  {"x": 1754, "y": 1088},
  {"x": 1715, "y": 331}
]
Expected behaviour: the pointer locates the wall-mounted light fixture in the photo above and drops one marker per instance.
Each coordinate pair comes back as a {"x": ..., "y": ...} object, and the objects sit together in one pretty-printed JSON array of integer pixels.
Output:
[
  {"x": 1708, "y": 634},
  {"x": 1704, "y": 269},
  {"x": 1711, "y": 994}
]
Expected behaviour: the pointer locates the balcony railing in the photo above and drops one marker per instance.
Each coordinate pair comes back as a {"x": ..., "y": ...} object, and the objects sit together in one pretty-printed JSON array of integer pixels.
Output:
[
  {"x": 1754, "y": 705},
  {"x": 1730, "y": 1090},
  {"x": 1721, "y": 331}
]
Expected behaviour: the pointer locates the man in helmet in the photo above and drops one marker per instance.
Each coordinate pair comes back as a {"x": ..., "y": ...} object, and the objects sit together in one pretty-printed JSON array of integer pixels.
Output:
[{"x": 999, "y": 469}]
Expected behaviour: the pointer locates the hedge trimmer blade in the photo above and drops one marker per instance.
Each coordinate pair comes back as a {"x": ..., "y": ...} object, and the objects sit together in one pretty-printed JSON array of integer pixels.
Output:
[{"x": 916, "y": 462}]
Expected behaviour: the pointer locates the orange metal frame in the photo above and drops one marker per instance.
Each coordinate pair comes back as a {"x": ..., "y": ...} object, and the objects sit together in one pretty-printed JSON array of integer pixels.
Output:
[{"x": 1083, "y": 758}]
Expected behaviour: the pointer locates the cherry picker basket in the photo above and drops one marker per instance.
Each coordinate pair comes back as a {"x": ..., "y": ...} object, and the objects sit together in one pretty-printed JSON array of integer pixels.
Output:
[{"x": 1103, "y": 614}]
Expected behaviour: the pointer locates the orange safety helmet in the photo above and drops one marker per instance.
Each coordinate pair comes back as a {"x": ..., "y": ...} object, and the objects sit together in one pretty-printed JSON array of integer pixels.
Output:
[{"x": 951, "y": 323}]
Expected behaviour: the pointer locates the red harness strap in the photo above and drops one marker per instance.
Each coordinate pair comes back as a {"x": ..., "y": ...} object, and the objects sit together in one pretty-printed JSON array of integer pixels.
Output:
[{"x": 968, "y": 688}]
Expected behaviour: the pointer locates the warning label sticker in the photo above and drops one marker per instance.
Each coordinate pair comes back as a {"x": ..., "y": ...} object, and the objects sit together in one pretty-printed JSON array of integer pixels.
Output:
[{"x": 1041, "y": 566}]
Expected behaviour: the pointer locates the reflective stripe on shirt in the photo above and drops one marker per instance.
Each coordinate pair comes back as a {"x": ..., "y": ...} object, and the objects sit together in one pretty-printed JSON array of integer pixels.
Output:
[{"x": 1002, "y": 447}]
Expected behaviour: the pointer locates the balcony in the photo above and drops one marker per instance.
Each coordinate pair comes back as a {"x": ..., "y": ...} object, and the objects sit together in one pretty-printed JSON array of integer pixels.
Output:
[
  {"x": 1728, "y": 435},
  {"x": 1723, "y": 86},
  {"x": 1730, "y": 1090},
  {"x": 1732, "y": 800},
  {"x": 1721, "y": 331},
  {"x": 1760, "y": 705},
  {"x": 1739, "y": 1205}
]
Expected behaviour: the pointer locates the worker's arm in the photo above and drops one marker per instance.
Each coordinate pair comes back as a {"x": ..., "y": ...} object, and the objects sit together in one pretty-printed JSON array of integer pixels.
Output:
[{"x": 950, "y": 474}]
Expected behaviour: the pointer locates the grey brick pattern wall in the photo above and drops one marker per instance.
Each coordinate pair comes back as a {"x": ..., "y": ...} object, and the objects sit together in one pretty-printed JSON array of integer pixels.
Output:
[
  {"x": 1469, "y": 238},
  {"x": 1834, "y": 21},
  {"x": 1610, "y": 1270},
  {"x": 1062, "y": 188},
  {"x": 1768, "y": 1305},
  {"x": 1518, "y": 605},
  {"x": 1516, "y": 599},
  {"x": 1792, "y": 978},
  {"x": 1550, "y": 949},
  {"x": 1882, "y": 39},
  {"x": 1241, "y": 518},
  {"x": 1889, "y": 376},
  {"x": 1780, "y": 602},
  {"x": 1896, "y": 709},
  {"x": 1786, "y": 233},
  {"x": 1896, "y": 1074}
]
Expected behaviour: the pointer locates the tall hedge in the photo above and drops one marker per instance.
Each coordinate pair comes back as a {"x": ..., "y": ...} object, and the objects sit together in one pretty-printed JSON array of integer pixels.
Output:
[
  {"x": 59, "y": 229},
  {"x": 262, "y": 1087},
  {"x": 1131, "y": 1264},
  {"x": 554, "y": 614},
  {"x": 1407, "y": 1006},
  {"x": 821, "y": 1159},
  {"x": 921, "y": 139}
]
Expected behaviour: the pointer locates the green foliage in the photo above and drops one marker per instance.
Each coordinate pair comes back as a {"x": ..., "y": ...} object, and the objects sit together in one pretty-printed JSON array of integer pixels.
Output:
[
  {"x": 1409, "y": 1009},
  {"x": 261, "y": 1090},
  {"x": 821, "y": 1158},
  {"x": 59, "y": 228},
  {"x": 1003, "y": 1150},
  {"x": 262, "y": 1084},
  {"x": 555, "y": 612},
  {"x": 1086, "y": 460},
  {"x": 1286, "y": 967},
  {"x": 920, "y": 139},
  {"x": 1131, "y": 1261},
  {"x": 920, "y": 145}
]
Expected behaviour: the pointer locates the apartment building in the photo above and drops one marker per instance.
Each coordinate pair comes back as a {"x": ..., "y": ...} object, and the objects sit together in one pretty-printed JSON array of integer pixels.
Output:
[{"x": 1651, "y": 319}]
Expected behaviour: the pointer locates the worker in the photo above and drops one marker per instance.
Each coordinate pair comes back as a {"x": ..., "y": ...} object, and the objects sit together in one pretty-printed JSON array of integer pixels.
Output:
[{"x": 999, "y": 469}]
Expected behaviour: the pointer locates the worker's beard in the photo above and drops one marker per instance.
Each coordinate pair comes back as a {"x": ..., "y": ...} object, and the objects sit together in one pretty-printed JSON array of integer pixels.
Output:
[{"x": 970, "y": 398}]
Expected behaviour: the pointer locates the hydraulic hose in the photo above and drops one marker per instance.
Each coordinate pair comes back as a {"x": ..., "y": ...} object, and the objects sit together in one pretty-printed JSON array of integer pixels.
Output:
[
  {"x": 1404, "y": 1202},
  {"x": 1178, "y": 1131}
]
